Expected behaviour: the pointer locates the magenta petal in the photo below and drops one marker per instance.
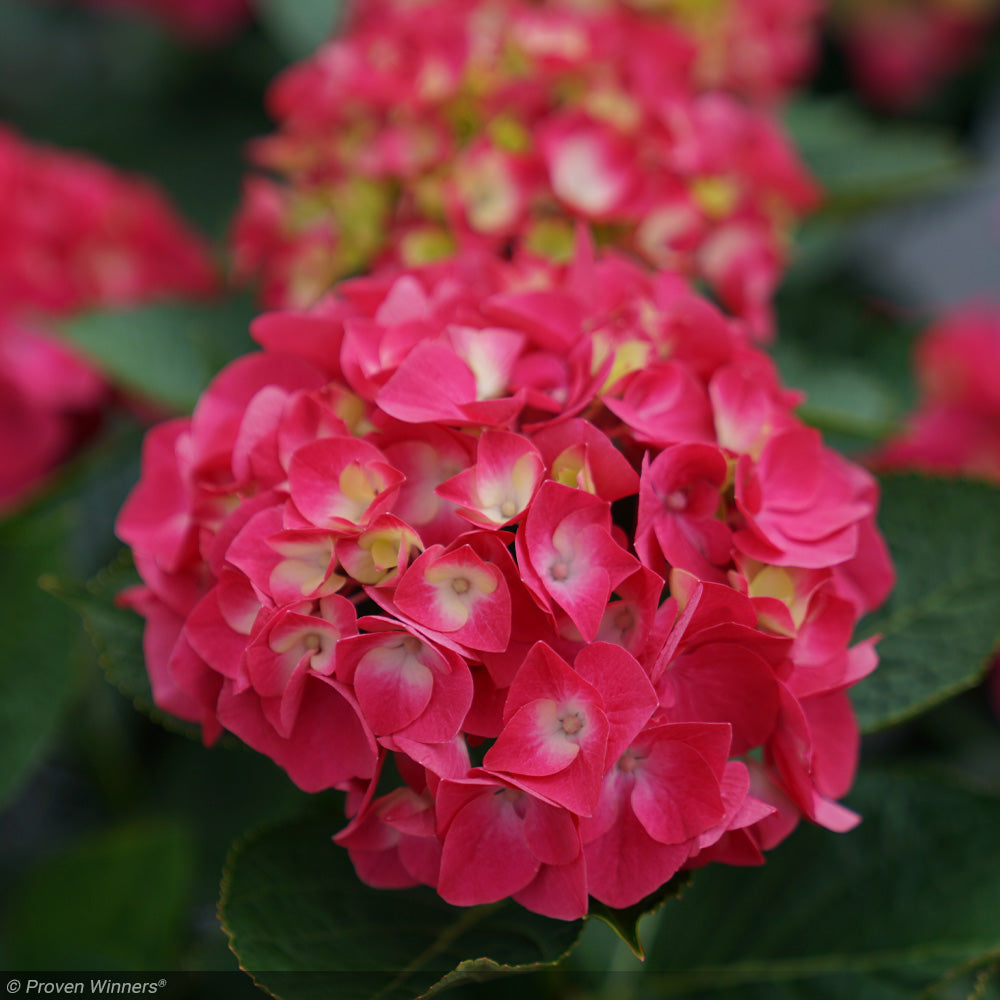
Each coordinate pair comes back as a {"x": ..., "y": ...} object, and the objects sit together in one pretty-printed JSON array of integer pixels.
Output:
[
  {"x": 329, "y": 745},
  {"x": 458, "y": 593},
  {"x": 559, "y": 891},
  {"x": 551, "y": 833},
  {"x": 628, "y": 698},
  {"x": 485, "y": 857},
  {"x": 676, "y": 795},
  {"x": 428, "y": 386},
  {"x": 584, "y": 599},
  {"x": 626, "y": 864},
  {"x": 392, "y": 687},
  {"x": 723, "y": 682},
  {"x": 533, "y": 742}
]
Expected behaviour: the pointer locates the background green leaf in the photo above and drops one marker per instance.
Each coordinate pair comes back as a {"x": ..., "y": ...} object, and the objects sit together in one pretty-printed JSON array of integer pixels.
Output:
[
  {"x": 882, "y": 912},
  {"x": 123, "y": 90},
  {"x": 164, "y": 353},
  {"x": 850, "y": 354},
  {"x": 942, "y": 622},
  {"x": 299, "y": 26},
  {"x": 38, "y": 675},
  {"x": 291, "y": 903},
  {"x": 625, "y": 923},
  {"x": 116, "y": 900},
  {"x": 863, "y": 163},
  {"x": 116, "y": 633}
]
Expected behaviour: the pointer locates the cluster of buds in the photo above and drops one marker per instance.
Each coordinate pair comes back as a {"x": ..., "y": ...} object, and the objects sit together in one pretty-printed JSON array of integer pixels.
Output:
[
  {"x": 900, "y": 51},
  {"x": 436, "y": 126},
  {"x": 535, "y": 561},
  {"x": 200, "y": 21},
  {"x": 74, "y": 235}
]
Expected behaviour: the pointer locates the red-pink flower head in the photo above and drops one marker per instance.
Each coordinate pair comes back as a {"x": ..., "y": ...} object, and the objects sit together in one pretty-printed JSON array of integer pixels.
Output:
[
  {"x": 560, "y": 522},
  {"x": 900, "y": 51},
  {"x": 74, "y": 235},
  {"x": 441, "y": 124}
]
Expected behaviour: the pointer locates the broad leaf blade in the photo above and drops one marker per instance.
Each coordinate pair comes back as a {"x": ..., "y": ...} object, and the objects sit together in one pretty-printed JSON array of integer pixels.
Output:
[
  {"x": 625, "y": 923},
  {"x": 116, "y": 900},
  {"x": 882, "y": 912},
  {"x": 164, "y": 353},
  {"x": 291, "y": 903},
  {"x": 116, "y": 633},
  {"x": 37, "y": 679},
  {"x": 299, "y": 27},
  {"x": 862, "y": 163},
  {"x": 851, "y": 355},
  {"x": 942, "y": 623}
]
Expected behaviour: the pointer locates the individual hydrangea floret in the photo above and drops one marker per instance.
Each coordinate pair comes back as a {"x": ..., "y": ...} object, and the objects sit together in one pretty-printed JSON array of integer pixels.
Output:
[
  {"x": 548, "y": 540},
  {"x": 432, "y": 125}
]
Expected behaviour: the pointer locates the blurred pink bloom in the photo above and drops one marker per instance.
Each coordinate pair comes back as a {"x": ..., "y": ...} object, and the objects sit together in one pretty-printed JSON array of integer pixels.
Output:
[
  {"x": 900, "y": 51},
  {"x": 74, "y": 235},
  {"x": 435, "y": 125}
]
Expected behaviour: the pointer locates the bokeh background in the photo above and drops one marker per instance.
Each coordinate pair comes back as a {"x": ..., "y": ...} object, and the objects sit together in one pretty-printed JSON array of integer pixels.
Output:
[{"x": 114, "y": 827}]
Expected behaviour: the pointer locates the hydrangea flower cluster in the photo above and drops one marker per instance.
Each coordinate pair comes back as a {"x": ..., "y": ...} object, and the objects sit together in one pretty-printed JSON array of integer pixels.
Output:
[
  {"x": 535, "y": 561},
  {"x": 900, "y": 51},
  {"x": 74, "y": 235},
  {"x": 443, "y": 124}
]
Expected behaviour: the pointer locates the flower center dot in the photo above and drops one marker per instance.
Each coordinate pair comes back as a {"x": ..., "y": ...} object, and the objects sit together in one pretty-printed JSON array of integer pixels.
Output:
[
  {"x": 460, "y": 585},
  {"x": 508, "y": 508},
  {"x": 676, "y": 500},
  {"x": 559, "y": 570},
  {"x": 571, "y": 723},
  {"x": 624, "y": 620},
  {"x": 312, "y": 641}
]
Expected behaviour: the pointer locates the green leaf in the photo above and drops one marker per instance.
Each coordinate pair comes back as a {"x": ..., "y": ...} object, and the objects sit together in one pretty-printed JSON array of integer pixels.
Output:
[
  {"x": 116, "y": 633},
  {"x": 625, "y": 923},
  {"x": 850, "y": 355},
  {"x": 116, "y": 900},
  {"x": 942, "y": 622},
  {"x": 164, "y": 353},
  {"x": 37, "y": 675},
  {"x": 883, "y": 912},
  {"x": 298, "y": 27},
  {"x": 291, "y": 903},
  {"x": 862, "y": 163}
]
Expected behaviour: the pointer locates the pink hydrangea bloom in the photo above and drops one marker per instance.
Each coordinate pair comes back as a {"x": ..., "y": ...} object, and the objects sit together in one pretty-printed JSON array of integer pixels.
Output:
[
  {"x": 550, "y": 538},
  {"x": 900, "y": 51},
  {"x": 955, "y": 428},
  {"x": 74, "y": 235},
  {"x": 440, "y": 124}
]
